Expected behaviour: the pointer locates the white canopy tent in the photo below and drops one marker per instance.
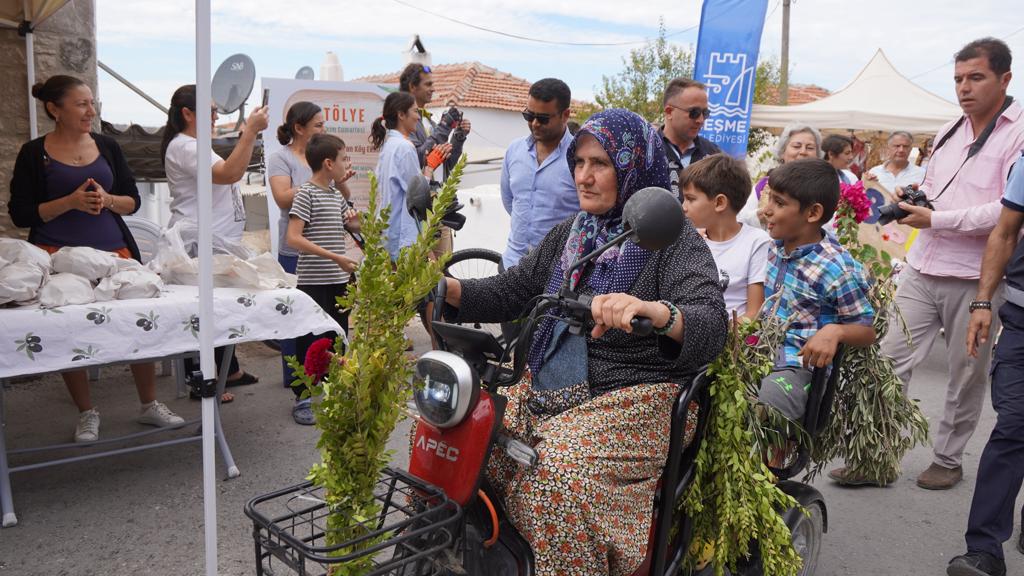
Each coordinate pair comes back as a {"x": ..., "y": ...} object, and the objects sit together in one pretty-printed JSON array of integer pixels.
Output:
[
  {"x": 878, "y": 98},
  {"x": 24, "y": 16}
]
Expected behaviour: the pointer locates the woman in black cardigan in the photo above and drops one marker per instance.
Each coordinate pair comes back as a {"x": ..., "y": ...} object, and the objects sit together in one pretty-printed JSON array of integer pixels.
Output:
[{"x": 71, "y": 187}]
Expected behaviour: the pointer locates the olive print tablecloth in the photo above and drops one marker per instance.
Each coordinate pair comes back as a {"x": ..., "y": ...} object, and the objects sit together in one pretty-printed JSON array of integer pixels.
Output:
[{"x": 33, "y": 340}]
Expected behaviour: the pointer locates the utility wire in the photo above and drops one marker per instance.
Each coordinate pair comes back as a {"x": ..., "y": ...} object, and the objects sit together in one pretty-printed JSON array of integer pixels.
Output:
[
  {"x": 531, "y": 39},
  {"x": 950, "y": 61}
]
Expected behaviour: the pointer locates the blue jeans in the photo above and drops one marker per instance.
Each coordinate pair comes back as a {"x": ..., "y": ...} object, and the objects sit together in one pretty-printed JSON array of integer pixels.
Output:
[
  {"x": 1001, "y": 470},
  {"x": 287, "y": 346}
]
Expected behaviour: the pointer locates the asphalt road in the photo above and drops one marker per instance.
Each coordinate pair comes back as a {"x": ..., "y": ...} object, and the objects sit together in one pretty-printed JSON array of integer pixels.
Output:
[{"x": 142, "y": 513}]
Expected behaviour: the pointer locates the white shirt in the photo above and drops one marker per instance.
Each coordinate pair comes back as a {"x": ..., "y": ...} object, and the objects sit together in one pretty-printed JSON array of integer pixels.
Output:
[
  {"x": 912, "y": 174},
  {"x": 742, "y": 260},
  {"x": 180, "y": 164}
]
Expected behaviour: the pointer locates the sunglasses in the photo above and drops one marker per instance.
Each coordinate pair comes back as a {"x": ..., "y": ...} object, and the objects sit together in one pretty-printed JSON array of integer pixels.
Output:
[
  {"x": 426, "y": 70},
  {"x": 695, "y": 112},
  {"x": 541, "y": 119}
]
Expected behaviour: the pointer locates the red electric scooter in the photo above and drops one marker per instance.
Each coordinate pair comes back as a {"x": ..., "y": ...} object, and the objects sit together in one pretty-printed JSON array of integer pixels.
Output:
[{"x": 461, "y": 409}]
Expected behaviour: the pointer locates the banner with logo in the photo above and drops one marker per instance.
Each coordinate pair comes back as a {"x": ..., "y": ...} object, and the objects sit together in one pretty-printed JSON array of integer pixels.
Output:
[
  {"x": 727, "y": 48},
  {"x": 348, "y": 107}
]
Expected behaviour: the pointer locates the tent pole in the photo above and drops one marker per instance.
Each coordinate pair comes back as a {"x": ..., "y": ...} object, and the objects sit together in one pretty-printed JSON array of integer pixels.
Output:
[
  {"x": 30, "y": 67},
  {"x": 204, "y": 187}
]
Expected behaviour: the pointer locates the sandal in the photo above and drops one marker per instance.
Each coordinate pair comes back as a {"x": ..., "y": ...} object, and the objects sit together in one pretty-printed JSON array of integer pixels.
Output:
[{"x": 244, "y": 380}]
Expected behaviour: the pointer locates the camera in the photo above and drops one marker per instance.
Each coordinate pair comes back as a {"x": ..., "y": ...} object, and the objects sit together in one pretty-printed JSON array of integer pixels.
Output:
[{"x": 892, "y": 212}]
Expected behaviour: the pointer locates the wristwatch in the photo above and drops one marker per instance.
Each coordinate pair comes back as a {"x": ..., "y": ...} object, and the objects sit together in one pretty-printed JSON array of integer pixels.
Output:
[{"x": 980, "y": 305}]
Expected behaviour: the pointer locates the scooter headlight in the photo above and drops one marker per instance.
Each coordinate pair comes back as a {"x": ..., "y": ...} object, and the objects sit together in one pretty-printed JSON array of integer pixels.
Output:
[{"x": 445, "y": 387}]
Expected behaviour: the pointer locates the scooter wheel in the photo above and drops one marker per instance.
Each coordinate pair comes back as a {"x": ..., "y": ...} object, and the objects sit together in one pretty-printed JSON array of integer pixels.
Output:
[{"x": 807, "y": 530}]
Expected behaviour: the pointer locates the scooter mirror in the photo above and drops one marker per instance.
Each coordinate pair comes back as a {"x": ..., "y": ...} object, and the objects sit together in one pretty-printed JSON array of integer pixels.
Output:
[
  {"x": 654, "y": 216},
  {"x": 417, "y": 197}
]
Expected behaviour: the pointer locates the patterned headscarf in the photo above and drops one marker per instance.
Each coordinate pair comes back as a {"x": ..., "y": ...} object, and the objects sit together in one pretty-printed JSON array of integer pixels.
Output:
[{"x": 637, "y": 153}]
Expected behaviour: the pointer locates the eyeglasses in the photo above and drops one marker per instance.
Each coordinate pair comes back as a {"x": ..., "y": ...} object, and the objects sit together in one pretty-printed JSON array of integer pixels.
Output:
[
  {"x": 694, "y": 112},
  {"x": 541, "y": 119},
  {"x": 426, "y": 70}
]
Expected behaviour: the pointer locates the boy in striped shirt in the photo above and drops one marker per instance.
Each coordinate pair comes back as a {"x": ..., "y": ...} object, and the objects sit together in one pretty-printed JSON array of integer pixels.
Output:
[{"x": 316, "y": 229}]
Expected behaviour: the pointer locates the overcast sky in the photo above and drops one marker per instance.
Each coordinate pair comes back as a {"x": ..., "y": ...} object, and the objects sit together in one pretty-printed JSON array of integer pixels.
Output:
[{"x": 152, "y": 42}]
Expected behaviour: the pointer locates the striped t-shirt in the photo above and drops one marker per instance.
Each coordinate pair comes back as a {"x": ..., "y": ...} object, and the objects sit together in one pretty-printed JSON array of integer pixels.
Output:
[{"x": 323, "y": 211}]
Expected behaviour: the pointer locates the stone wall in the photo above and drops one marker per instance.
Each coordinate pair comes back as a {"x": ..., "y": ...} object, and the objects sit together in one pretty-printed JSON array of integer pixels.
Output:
[{"x": 64, "y": 44}]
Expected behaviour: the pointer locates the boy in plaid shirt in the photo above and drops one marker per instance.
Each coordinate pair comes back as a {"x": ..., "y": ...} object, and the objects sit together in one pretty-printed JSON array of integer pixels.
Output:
[{"x": 822, "y": 289}]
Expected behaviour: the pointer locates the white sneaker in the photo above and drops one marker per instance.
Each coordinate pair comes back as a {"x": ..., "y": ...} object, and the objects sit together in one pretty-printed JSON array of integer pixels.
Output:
[
  {"x": 88, "y": 429},
  {"x": 160, "y": 415}
]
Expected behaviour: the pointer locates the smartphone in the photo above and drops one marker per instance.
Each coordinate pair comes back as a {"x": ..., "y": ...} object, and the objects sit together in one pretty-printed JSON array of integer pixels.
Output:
[{"x": 266, "y": 97}]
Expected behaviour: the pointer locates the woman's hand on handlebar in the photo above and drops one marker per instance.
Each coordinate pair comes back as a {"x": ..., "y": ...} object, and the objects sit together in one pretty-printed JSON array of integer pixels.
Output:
[
  {"x": 618, "y": 310},
  {"x": 453, "y": 292}
]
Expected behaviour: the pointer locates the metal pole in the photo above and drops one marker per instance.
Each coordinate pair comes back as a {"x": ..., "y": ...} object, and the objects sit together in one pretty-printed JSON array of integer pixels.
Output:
[
  {"x": 204, "y": 185},
  {"x": 131, "y": 86},
  {"x": 30, "y": 66},
  {"x": 784, "y": 73}
]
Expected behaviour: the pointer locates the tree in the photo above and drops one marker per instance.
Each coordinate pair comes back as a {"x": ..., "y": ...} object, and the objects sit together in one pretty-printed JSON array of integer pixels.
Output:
[{"x": 646, "y": 72}]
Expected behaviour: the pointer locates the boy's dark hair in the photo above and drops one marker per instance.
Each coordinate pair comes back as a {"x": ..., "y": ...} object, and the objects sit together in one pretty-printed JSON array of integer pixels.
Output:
[
  {"x": 808, "y": 181},
  {"x": 323, "y": 147},
  {"x": 719, "y": 174},
  {"x": 550, "y": 89},
  {"x": 998, "y": 53},
  {"x": 834, "y": 144}
]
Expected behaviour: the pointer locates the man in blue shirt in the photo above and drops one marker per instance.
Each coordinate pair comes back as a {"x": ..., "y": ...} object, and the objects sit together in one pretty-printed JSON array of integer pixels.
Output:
[{"x": 537, "y": 188}]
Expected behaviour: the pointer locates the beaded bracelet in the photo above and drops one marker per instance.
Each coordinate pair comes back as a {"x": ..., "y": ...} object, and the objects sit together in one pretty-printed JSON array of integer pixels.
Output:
[{"x": 673, "y": 316}]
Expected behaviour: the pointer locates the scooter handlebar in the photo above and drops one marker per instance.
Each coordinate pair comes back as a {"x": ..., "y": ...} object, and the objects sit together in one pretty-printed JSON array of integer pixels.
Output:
[{"x": 641, "y": 325}]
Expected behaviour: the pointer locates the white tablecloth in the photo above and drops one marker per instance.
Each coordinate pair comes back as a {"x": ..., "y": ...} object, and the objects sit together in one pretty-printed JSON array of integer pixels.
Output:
[{"x": 33, "y": 340}]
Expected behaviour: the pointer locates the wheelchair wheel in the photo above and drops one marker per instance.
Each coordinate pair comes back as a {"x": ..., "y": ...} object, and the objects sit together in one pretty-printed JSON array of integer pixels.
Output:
[
  {"x": 807, "y": 532},
  {"x": 473, "y": 263}
]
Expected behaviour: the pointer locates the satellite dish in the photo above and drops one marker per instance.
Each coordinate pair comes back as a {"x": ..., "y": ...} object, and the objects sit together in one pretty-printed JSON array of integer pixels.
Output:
[
  {"x": 305, "y": 73},
  {"x": 232, "y": 83}
]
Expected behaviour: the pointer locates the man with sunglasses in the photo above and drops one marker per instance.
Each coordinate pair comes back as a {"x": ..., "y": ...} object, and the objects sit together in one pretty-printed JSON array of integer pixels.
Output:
[
  {"x": 686, "y": 108},
  {"x": 537, "y": 188}
]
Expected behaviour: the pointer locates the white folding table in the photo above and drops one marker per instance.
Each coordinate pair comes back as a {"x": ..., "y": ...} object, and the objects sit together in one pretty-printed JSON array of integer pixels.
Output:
[{"x": 37, "y": 341}]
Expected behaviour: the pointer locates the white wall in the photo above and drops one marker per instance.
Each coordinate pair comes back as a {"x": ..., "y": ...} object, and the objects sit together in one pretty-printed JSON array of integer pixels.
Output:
[{"x": 492, "y": 132}]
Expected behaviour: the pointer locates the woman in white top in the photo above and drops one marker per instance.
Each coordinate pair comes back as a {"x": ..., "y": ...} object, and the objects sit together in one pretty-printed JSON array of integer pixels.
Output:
[
  {"x": 180, "y": 153},
  {"x": 797, "y": 141},
  {"x": 897, "y": 171},
  {"x": 838, "y": 151}
]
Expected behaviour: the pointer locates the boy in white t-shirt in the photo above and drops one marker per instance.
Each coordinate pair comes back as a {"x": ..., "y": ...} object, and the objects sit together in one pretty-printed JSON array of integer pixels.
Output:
[{"x": 714, "y": 190}]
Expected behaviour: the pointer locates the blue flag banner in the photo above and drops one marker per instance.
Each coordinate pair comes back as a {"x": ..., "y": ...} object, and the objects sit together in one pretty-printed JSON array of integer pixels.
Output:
[{"x": 727, "y": 48}]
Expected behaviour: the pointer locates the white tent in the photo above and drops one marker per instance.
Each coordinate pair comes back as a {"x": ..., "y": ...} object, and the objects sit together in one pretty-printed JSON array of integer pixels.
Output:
[
  {"x": 878, "y": 98},
  {"x": 25, "y": 15}
]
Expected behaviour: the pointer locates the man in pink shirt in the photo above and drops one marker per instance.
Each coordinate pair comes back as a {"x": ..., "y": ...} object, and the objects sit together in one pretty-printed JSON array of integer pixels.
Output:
[{"x": 965, "y": 184}]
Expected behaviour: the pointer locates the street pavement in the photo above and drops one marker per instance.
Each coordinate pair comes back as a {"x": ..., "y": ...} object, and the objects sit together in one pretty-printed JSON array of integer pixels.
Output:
[{"x": 141, "y": 513}]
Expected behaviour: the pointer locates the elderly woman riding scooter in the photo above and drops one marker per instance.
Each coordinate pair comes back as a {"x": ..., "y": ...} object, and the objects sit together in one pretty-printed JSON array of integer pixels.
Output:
[{"x": 597, "y": 406}]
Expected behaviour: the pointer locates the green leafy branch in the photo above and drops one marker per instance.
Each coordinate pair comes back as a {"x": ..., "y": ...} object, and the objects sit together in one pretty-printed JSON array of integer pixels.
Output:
[{"x": 363, "y": 396}]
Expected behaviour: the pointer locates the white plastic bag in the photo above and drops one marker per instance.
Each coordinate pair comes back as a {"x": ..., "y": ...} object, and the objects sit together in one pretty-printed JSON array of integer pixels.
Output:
[
  {"x": 86, "y": 262},
  {"x": 129, "y": 284},
  {"x": 64, "y": 289},
  {"x": 13, "y": 250},
  {"x": 20, "y": 282}
]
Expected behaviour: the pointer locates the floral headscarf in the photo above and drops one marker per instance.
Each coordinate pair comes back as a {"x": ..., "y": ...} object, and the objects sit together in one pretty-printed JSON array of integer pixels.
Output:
[{"x": 638, "y": 155}]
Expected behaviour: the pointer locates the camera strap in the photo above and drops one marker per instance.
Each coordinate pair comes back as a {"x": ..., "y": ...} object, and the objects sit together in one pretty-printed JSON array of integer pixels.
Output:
[{"x": 975, "y": 146}]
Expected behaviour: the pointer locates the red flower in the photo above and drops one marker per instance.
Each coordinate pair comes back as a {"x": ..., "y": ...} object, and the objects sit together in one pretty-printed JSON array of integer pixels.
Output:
[
  {"x": 752, "y": 340},
  {"x": 854, "y": 197},
  {"x": 318, "y": 358}
]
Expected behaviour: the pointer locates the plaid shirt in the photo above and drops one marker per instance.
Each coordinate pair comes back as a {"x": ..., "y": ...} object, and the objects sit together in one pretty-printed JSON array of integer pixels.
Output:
[{"x": 820, "y": 284}]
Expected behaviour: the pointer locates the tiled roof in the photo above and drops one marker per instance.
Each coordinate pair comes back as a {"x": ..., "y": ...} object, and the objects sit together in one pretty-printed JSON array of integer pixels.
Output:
[
  {"x": 470, "y": 85},
  {"x": 801, "y": 94}
]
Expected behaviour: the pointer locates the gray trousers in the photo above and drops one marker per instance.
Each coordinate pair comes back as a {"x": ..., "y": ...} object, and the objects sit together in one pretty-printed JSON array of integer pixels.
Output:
[{"x": 927, "y": 304}]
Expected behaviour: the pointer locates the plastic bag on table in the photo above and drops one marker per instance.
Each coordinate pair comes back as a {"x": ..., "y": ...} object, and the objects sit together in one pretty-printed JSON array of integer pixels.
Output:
[
  {"x": 175, "y": 260},
  {"x": 130, "y": 284},
  {"x": 65, "y": 288},
  {"x": 89, "y": 263},
  {"x": 13, "y": 250},
  {"x": 20, "y": 282}
]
